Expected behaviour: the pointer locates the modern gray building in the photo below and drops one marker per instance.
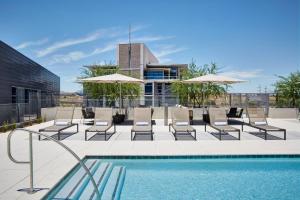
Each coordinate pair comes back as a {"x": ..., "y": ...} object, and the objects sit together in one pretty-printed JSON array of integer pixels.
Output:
[
  {"x": 25, "y": 86},
  {"x": 138, "y": 61}
]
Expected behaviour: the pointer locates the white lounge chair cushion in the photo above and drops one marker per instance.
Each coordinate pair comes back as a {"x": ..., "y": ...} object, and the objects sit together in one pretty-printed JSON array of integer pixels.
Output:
[
  {"x": 61, "y": 123},
  {"x": 220, "y": 123},
  {"x": 142, "y": 123},
  {"x": 101, "y": 123},
  {"x": 182, "y": 123},
  {"x": 260, "y": 123}
]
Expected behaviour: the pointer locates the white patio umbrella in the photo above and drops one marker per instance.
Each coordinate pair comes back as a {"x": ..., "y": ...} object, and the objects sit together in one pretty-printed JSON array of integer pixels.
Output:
[
  {"x": 215, "y": 79},
  {"x": 112, "y": 78}
]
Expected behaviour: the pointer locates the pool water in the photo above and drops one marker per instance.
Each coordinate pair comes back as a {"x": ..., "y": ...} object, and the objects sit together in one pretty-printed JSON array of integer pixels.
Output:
[{"x": 211, "y": 178}]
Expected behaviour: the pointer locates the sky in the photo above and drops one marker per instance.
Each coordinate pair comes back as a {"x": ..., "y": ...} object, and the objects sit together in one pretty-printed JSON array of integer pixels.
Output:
[{"x": 253, "y": 40}]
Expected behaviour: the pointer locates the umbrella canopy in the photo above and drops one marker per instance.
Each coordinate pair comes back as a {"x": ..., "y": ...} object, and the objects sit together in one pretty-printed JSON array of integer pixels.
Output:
[
  {"x": 213, "y": 78},
  {"x": 112, "y": 78}
]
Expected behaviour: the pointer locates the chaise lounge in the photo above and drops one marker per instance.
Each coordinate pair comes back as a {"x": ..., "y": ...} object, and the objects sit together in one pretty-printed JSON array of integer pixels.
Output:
[
  {"x": 218, "y": 121},
  {"x": 181, "y": 122},
  {"x": 63, "y": 121},
  {"x": 142, "y": 122},
  {"x": 103, "y": 121},
  {"x": 257, "y": 119}
]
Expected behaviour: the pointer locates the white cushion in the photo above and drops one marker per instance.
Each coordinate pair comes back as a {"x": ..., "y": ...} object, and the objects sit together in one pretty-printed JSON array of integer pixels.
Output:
[
  {"x": 101, "y": 123},
  {"x": 182, "y": 123},
  {"x": 260, "y": 123},
  {"x": 142, "y": 123},
  {"x": 220, "y": 123},
  {"x": 61, "y": 123}
]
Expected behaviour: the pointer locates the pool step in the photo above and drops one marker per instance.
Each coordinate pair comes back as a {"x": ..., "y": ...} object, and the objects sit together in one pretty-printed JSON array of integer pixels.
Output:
[
  {"x": 77, "y": 181},
  {"x": 109, "y": 180},
  {"x": 100, "y": 176},
  {"x": 114, "y": 184}
]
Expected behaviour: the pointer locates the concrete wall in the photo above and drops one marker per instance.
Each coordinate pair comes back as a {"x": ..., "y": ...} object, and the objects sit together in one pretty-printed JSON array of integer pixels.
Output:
[
  {"x": 291, "y": 113},
  {"x": 48, "y": 114}
]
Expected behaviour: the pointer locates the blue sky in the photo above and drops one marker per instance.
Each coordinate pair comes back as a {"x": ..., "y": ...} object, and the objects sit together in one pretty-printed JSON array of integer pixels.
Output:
[{"x": 250, "y": 39}]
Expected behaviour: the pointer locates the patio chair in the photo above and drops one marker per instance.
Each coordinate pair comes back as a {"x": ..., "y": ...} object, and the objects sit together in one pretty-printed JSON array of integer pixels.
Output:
[
  {"x": 142, "y": 122},
  {"x": 63, "y": 120},
  {"x": 103, "y": 121},
  {"x": 181, "y": 122},
  {"x": 258, "y": 120},
  {"x": 87, "y": 114},
  {"x": 218, "y": 121}
]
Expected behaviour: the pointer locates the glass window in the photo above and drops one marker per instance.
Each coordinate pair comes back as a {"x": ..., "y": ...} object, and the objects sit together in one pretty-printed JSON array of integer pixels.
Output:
[
  {"x": 154, "y": 74},
  {"x": 148, "y": 88}
]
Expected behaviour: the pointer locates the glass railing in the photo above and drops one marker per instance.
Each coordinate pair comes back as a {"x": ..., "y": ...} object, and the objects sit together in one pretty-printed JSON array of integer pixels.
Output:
[{"x": 161, "y": 77}]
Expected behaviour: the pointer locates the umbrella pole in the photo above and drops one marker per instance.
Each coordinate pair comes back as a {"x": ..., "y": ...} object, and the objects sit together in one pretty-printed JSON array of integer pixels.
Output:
[{"x": 120, "y": 97}]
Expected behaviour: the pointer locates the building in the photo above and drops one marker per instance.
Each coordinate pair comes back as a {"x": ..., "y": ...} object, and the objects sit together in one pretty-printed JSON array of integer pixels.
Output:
[
  {"x": 25, "y": 86},
  {"x": 138, "y": 61}
]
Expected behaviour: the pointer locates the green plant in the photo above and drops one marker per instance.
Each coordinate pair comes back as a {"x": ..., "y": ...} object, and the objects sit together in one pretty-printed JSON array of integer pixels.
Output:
[
  {"x": 110, "y": 91},
  {"x": 287, "y": 90},
  {"x": 39, "y": 120},
  {"x": 5, "y": 126},
  {"x": 197, "y": 94}
]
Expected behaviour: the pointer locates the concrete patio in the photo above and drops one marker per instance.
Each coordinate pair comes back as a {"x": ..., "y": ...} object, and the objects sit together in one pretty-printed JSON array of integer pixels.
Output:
[{"x": 52, "y": 162}]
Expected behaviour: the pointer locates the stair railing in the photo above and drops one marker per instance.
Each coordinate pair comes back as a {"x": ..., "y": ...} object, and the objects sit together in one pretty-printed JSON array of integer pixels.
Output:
[{"x": 31, "y": 189}]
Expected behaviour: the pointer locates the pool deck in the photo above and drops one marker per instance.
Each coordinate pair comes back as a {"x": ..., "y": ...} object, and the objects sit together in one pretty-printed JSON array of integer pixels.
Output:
[{"x": 51, "y": 162}]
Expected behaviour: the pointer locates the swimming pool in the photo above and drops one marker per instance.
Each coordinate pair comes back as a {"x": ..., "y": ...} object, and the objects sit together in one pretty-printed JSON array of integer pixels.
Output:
[{"x": 203, "y": 177}]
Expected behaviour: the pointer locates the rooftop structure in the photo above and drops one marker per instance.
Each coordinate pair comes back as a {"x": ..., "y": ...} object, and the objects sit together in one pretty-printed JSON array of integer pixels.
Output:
[
  {"x": 138, "y": 61},
  {"x": 23, "y": 81}
]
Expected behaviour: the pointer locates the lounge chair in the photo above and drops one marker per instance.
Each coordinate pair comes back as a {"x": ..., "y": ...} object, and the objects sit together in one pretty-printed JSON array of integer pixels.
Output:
[
  {"x": 103, "y": 121},
  {"x": 181, "y": 122},
  {"x": 63, "y": 120},
  {"x": 218, "y": 121},
  {"x": 142, "y": 122},
  {"x": 257, "y": 119}
]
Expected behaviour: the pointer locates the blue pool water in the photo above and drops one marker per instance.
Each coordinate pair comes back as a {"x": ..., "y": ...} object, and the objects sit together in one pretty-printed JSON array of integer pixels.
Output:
[
  {"x": 226, "y": 179},
  {"x": 185, "y": 178}
]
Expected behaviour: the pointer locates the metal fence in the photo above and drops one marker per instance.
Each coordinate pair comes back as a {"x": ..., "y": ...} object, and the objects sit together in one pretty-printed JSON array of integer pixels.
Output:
[
  {"x": 18, "y": 112},
  {"x": 22, "y": 112}
]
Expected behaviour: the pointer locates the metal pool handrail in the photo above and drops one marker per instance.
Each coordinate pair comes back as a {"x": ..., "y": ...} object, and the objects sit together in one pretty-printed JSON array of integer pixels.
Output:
[{"x": 31, "y": 189}]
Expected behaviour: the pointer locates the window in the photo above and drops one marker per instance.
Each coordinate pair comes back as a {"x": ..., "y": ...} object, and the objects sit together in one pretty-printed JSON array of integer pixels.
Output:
[
  {"x": 13, "y": 95},
  {"x": 154, "y": 74},
  {"x": 173, "y": 73},
  {"x": 148, "y": 88}
]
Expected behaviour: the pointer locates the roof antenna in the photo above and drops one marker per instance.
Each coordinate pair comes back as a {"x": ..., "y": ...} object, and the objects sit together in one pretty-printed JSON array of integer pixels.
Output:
[{"x": 129, "y": 49}]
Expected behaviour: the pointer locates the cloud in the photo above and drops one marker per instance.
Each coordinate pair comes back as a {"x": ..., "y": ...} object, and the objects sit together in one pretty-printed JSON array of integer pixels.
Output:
[
  {"x": 151, "y": 38},
  {"x": 109, "y": 32},
  {"x": 167, "y": 50},
  {"x": 78, "y": 55},
  {"x": 31, "y": 43},
  {"x": 243, "y": 73}
]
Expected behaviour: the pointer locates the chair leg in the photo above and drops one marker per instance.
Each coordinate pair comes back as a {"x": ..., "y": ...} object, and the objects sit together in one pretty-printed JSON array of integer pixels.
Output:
[
  {"x": 220, "y": 135},
  {"x": 265, "y": 135},
  {"x": 77, "y": 128},
  {"x": 284, "y": 132},
  {"x": 239, "y": 135},
  {"x": 85, "y": 135},
  {"x": 131, "y": 136},
  {"x": 195, "y": 135},
  {"x": 169, "y": 127},
  {"x": 175, "y": 135},
  {"x": 105, "y": 135},
  {"x": 242, "y": 126},
  {"x": 151, "y": 135},
  {"x": 205, "y": 127}
]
